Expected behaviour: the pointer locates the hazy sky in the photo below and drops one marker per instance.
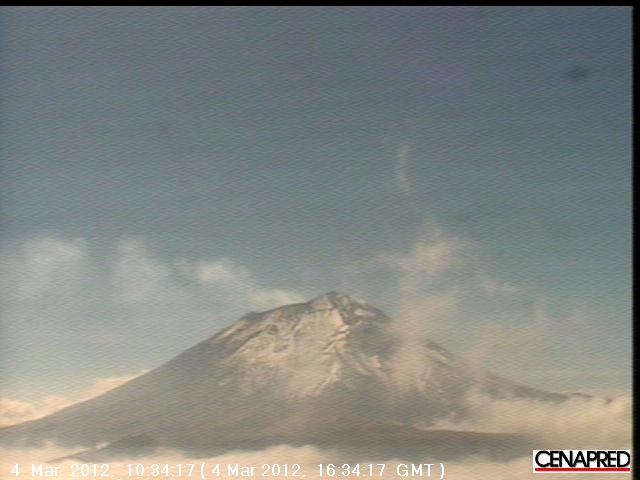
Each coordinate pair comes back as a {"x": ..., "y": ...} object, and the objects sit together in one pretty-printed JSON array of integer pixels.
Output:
[{"x": 165, "y": 170}]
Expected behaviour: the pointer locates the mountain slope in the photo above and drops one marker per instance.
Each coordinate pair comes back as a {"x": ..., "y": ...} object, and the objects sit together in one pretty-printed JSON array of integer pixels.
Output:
[{"x": 310, "y": 373}]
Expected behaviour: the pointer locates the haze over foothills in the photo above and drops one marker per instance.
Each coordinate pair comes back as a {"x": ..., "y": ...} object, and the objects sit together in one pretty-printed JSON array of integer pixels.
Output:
[{"x": 167, "y": 170}]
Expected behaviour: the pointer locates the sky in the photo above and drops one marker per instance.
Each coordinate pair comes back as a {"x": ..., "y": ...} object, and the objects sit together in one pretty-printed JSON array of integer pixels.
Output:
[{"x": 165, "y": 170}]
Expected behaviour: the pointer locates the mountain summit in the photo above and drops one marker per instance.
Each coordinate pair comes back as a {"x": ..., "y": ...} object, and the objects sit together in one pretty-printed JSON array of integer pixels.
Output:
[{"x": 316, "y": 373}]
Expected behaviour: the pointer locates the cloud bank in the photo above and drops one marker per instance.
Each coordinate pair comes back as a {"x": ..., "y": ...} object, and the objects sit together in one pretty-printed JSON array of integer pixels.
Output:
[
  {"x": 56, "y": 266},
  {"x": 579, "y": 423}
]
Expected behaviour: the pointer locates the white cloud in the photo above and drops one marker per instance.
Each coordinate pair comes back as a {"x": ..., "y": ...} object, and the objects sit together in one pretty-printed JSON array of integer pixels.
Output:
[
  {"x": 434, "y": 253},
  {"x": 424, "y": 299},
  {"x": 596, "y": 422},
  {"x": 579, "y": 423},
  {"x": 221, "y": 272},
  {"x": 17, "y": 411},
  {"x": 238, "y": 283},
  {"x": 134, "y": 276},
  {"x": 268, "y": 298},
  {"x": 401, "y": 168},
  {"x": 137, "y": 276},
  {"x": 43, "y": 266}
]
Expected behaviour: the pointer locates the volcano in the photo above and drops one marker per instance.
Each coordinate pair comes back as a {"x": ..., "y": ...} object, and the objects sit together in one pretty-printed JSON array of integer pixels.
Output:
[{"x": 322, "y": 373}]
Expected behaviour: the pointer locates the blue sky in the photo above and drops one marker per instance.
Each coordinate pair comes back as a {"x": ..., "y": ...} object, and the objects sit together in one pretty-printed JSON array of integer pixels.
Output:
[{"x": 165, "y": 170}]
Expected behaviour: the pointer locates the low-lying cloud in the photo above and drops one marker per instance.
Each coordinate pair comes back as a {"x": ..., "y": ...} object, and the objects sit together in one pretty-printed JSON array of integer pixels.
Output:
[
  {"x": 17, "y": 411},
  {"x": 597, "y": 422},
  {"x": 602, "y": 421}
]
